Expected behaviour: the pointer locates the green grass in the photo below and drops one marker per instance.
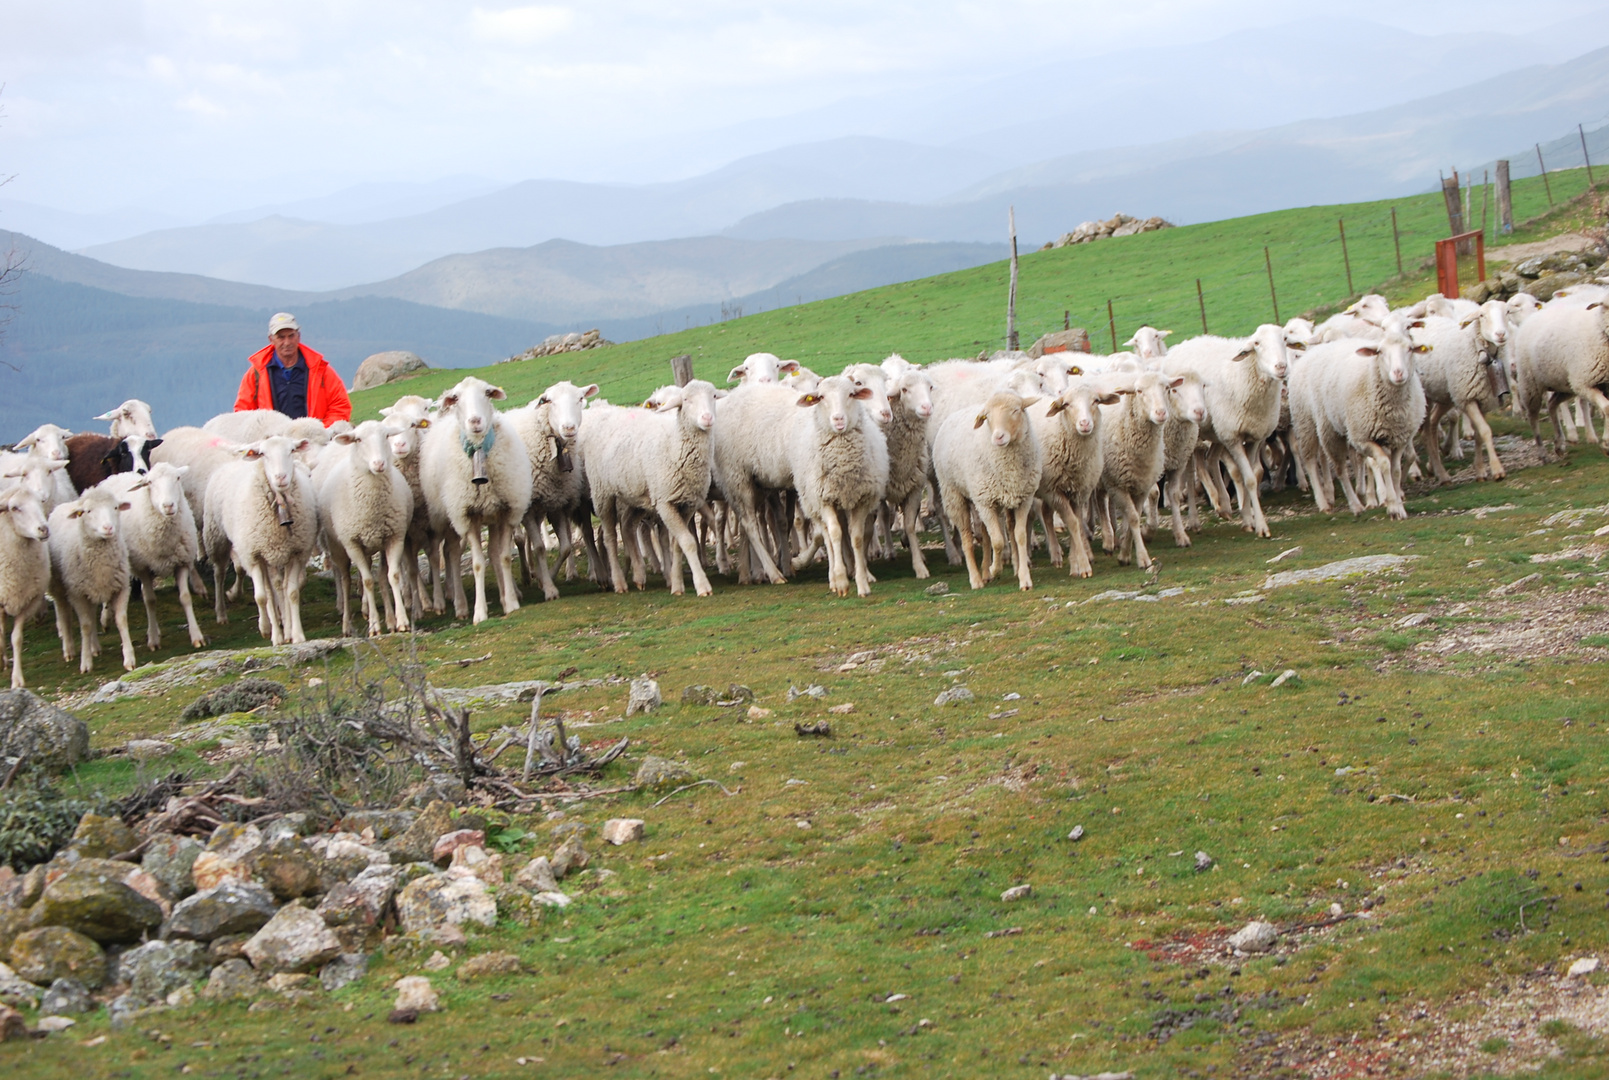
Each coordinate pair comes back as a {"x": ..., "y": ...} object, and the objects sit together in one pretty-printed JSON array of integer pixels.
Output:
[{"x": 735, "y": 941}]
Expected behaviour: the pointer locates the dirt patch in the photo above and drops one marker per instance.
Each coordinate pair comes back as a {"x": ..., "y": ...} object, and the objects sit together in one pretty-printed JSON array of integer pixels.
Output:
[
  {"x": 1553, "y": 245},
  {"x": 1528, "y": 626}
]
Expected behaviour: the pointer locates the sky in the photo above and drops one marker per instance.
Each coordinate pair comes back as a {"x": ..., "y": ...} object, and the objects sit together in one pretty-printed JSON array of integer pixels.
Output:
[{"x": 194, "y": 108}]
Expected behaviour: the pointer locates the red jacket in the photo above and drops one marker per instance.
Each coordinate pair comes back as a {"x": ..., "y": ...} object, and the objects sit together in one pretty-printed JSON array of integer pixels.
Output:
[{"x": 326, "y": 394}]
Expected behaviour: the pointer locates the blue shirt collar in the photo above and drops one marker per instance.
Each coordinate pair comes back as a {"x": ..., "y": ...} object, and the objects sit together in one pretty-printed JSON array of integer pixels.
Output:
[{"x": 274, "y": 360}]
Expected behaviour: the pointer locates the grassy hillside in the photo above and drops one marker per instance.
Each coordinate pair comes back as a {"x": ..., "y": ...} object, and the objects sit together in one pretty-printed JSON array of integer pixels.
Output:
[{"x": 1150, "y": 279}]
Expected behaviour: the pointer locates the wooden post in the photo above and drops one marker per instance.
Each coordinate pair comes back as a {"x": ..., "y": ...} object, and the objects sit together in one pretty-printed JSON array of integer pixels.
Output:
[
  {"x": 1066, "y": 319},
  {"x": 1486, "y": 180},
  {"x": 1345, "y": 258},
  {"x": 1272, "y": 295},
  {"x": 1450, "y": 194},
  {"x": 1111, "y": 324},
  {"x": 1396, "y": 239},
  {"x": 1201, "y": 301},
  {"x": 1011, "y": 296},
  {"x": 1586, "y": 157},
  {"x": 1544, "y": 167},
  {"x": 1505, "y": 200},
  {"x": 681, "y": 369}
]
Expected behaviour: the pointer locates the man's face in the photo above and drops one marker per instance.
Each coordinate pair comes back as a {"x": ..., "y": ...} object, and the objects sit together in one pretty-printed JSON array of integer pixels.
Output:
[{"x": 286, "y": 344}]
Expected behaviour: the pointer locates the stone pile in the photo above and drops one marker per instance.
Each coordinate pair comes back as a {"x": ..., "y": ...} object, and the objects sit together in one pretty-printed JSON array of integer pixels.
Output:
[
  {"x": 1113, "y": 227},
  {"x": 1542, "y": 277},
  {"x": 554, "y": 344},
  {"x": 258, "y": 912}
]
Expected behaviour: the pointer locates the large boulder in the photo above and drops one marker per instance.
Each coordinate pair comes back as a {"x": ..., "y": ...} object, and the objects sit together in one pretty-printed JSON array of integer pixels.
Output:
[
  {"x": 52, "y": 738},
  {"x": 1074, "y": 340},
  {"x": 386, "y": 367},
  {"x": 54, "y": 952},
  {"x": 432, "y": 903},
  {"x": 295, "y": 939},
  {"x": 157, "y": 968},
  {"x": 231, "y": 908},
  {"x": 94, "y": 901}
]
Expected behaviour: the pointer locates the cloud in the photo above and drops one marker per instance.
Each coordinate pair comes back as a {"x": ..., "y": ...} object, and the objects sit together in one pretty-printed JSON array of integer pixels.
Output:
[{"x": 529, "y": 25}]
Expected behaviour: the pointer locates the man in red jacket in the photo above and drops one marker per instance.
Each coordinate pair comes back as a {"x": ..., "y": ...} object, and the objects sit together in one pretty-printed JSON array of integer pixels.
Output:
[{"x": 290, "y": 377}]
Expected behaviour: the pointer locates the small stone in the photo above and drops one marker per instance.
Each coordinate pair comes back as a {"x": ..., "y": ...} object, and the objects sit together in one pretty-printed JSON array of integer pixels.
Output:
[
  {"x": 67, "y": 996},
  {"x": 537, "y": 875},
  {"x": 1251, "y": 677},
  {"x": 1418, "y": 618},
  {"x": 12, "y": 1025},
  {"x": 814, "y": 690},
  {"x": 232, "y": 908},
  {"x": 15, "y": 990},
  {"x": 170, "y": 860},
  {"x": 658, "y": 772},
  {"x": 147, "y": 750},
  {"x": 414, "y": 994},
  {"x": 295, "y": 939},
  {"x": 1203, "y": 861},
  {"x": 181, "y": 998},
  {"x": 1017, "y": 892},
  {"x": 570, "y": 856},
  {"x": 438, "y": 961},
  {"x": 232, "y": 980},
  {"x": 699, "y": 694},
  {"x": 619, "y": 831},
  {"x": 938, "y": 588},
  {"x": 54, "y": 952},
  {"x": 284, "y": 825},
  {"x": 362, "y": 901},
  {"x": 1283, "y": 677},
  {"x": 1077, "y": 834},
  {"x": 474, "y": 860},
  {"x": 565, "y": 828},
  {"x": 1254, "y": 937},
  {"x": 1584, "y": 966},
  {"x": 296, "y": 985},
  {"x": 1288, "y": 553},
  {"x": 737, "y": 692},
  {"x": 228, "y": 947},
  {"x": 434, "y": 903},
  {"x": 157, "y": 968},
  {"x": 235, "y": 841},
  {"x": 383, "y": 825},
  {"x": 418, "y": 842},
  {"x": 492, "y": 963},
  {"x": 644, "y": 697},
  {"x": 842, "y": 710},
  {"x": 1336, "y": 911},
  {"x": 552, "y": 899},
  {"x": 211, "y": 870},
  {"x": 1517, "y": 586},
  {"x": 953, "y": 695},
  {"x": 100, "y": 837},
  {"x": 757, "y": 713},
  {"x": 52, "y": 1024},
  {"x": 344, "y": 970},
  {"x": 442, "y": 852}
]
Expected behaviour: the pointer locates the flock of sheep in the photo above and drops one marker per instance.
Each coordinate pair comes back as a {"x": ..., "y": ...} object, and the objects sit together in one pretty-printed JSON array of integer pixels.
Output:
[{"x": 777, "y": 472}]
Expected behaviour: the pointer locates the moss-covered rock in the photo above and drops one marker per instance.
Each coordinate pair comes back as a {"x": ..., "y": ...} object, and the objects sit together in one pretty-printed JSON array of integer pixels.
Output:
[
  {"x": 101, "y": 837},
  {"x": 94, "y": 902},
  {"x": 419, "y": 842},
  {"x": 55, "y": 952}
]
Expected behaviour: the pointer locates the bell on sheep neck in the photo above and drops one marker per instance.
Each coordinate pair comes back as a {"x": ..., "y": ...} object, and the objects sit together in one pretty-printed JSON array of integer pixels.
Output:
[
  {"x": 478, "y": 467},
  {"x": 282, "y": 505}
]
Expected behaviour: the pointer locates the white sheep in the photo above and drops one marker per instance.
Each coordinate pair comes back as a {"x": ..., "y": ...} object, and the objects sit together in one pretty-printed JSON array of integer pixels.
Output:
[
  {"x": 548, "y": 427},
  {"x": 750, "y": 464},
  {"x": 1148, "y": 343},
  {"x": 133, "y": 417},
  {"x": 1187, "y": 410},
  {"x": 410, "y": 415},
  {"x": 48, "y": 442},
  {"x": 262, "y": 512},
  {"x": 1242, "y": 379},
  {"x": 911, "y": 395},
  {"x": 364, "y": 509},
  {"x": 988, "y": 463},
  {"x": 1068, "y": 427},
  {"x": 763, "y": 367},
  {"x": 655, "y": 462},
  {"x": 1559, "y": 352},
  {"x": 1462, "y": 376},
  {"x": 476, "y": 475},
  {"x": 839, "y": 459},
  {"x": 1132, "y": 456},
  {"x": 88, "y": 568},
  {"x": 24, "y": 567},
  {"x": 44, "y": 477},
  {"x": 160, "y": 533}
]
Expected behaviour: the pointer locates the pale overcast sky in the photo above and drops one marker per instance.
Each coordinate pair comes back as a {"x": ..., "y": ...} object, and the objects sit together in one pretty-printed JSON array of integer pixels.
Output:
[{"x": 113, "y": 103}]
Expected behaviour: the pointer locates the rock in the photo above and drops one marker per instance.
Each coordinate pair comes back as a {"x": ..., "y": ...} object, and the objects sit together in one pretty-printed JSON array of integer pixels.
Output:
[
  {"x": 1584, "y": 966},
  {"x": 537, "y": 875},
  {"x": 66, "y": 996},
  {"x": 387, "y": 367},
  {"x": 286, "y": 825},
  {"x": 739, "y": 694},
  {"x": 1203, "y": 861},
  {"x": 644, "y": 697},
  {"x": 442, "y": 852},
  {"x": 1518, "y": 585},
  {"x": 565, "y": 828},
  {"x": 228, "y": 947},
  {"x": 619, "y": 831},
  {"x": 344, "y": 858},
  {"x": 53, "y": 1024},
  {"x": 953, "y": 695},
  {"x": 1077, "y": 834},
  {"x": 129, "y": 1010},
  {"x": 842, "y": 709},
  {"x": 1017, "y": 892},
  {"x": 1254, "y": 937},
  {"x": 170, "y": 859},
  {"x": 474, "y": 860},
  {"x": 1345, "y": 568},
  {"x": 231, "y": 908},
  {"x": 242, "y": 696},
  {"x": 434, "y": 902},
  {"x": 1283, "y": 677},
  {"x": 15, "y": 990},
  {"x": 295, "y": 939},
  {"x": 492, "y": 963},
  {"x": 235, "y": 841},
  {"x": 1073, "y": 340},
  {"x": 658, "y": 772},
  {"x": 415, "y": 995},
  {"x": 381, "y": 824},
  {"x": 12, "y": 1025},
  {"x": 157, "y": 968},
  {"x": 147, "y": 750},
  {"x": 552, "y": 899},
  {"x": 54, "y": 952},
  {"x": 814, "y": 690},
  {"x": 699, "y": 694},
  {"x": 362, "y": 901},
  {"x": 419, "y": 841},
  {"x": 12, "y": 923},
  {"x": 96, "y": 904},
  {"x": 344, "y": 970},
  {"x": 211, "y": 870},
  {"x": 100, "y": 837},
  {"x": 938, "y": 588},
  {"x": 52, "y": 738},
  {"x": 570, "y": 856},
  {"x": 1288, "y": 553},
  {"x": 439, "y": 961},
  {"x": 150, "y": 888},
  {"x": 296, "y": 985},
  {"x": 757, "y": 713},
  {"x": 517, "y": 906},
  {"x": 287, "y": 866},
  {"x": 232, "y": 980}
]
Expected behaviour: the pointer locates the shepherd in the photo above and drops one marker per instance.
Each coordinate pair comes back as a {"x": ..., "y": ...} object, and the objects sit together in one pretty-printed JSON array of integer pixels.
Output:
[{"x": 291, "y": 378}]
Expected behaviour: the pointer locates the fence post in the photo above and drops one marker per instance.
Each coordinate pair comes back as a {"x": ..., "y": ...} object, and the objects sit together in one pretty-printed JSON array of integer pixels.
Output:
[
  {"x": 681, "y": 369},
  {"x": 1584, "y": 155},
  {"x": 1452, "y": 196},
  {"x": 1345, "y": 258},
  {"x": 1544, "y": 167},
  {"x": 1396, "y": 239},
  {"x": 1272, "y": 295},
  {"x": 1111, "y": 324},
  {"x": 1011, "y": 297},
  {"x": 1066, "y": 319},
  {"x": 1201, "y": 300},
  {"x": 1505, "y": 200},
  {"x": 1486, "y": 180}
]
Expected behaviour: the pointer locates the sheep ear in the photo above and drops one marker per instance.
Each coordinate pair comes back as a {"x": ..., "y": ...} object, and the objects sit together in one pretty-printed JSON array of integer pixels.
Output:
[
  {"x": 1075, "y": 370},
  {"x": 979, "y": 421},
  {"x": 421, "y": 423},
  {"x": 1163, "y": 333},
  {"x": 129, "y": 505},
  {"x": 1417, "y": 324},
  {"x": 588, "y": 391},
  {"x": 79, "y": 512},
  {"x": 111, "y": 415},
  {"x": 737, "y": 373},
  {"x": 1243, "y": 353},
  {"x": 152, "y": 444},
  {"x": 386, "y": 411},
  {"x": 24, "y": 444},
  {"x": 250, "y": 453},
  {"x": 1368, "y": 350},
  {"x": 1176, "y": 382},
  {"x": 1420, "y": 348},
  {"x": 807, "y": 400},
  {"x": 1130, "y": 341},
  {"x": 496, "y": 393},
  {"x": 1055, "y": 407},
  {"x": 52, "y": 466},
  {"x": 543, "y": 400},
  {"x": 788, "y": 366},
  {"x": 448, "y": 401},
  {"x": 303, "y": 444},
  {"x": 719, "y": 394},
  {"x": 180, "y": 470},
  {"x": 1029, "y": 400},
  {"x": 345, "y": 438},
  {"x": 862, "y": 393},
  {"x": 1111, "y": 397},
  {"x": 1296, "y": 346},
  {"x": 1595, "y": 304},
  {"x": 1465, "y": 325}
]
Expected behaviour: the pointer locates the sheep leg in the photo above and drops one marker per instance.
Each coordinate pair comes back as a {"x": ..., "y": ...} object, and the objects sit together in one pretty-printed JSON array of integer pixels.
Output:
[
  {"x": 238, "y": 586},
  {"x": 1108, "y": 529},
  {"x": 611, "y": 545},
  {"x": 1483, "y": 432},
  {"x": 336, "y": 558},
  {"x": 1379, "y": 463},
  {"x": 291, "y": 593},
  {"x": 913, "y": 532},
  {"x": 683, "y": 537},
  {"x": 1433, "y": 449},
  {"x": 153, "y": 629},
  {"x": 1134, "y": 544},
  {"x": 963, "y": 527},
  {"x": 950, "y": 530},
  {"x": 748, "y": 517},
  {"x": 537, "y": 553},
  {"x": 995, "y": 530},
  {"x": 181, "y": 579},
  {"x": 1564, "y": 417},
  {"x": 477, "y": 564},
  {"x": 436, "y": 557},
  {"x": 1052, "y": 547},
  {"x": 1595, "y": 398},
  {"x": 396, "y": 559},
  {"x": 17, "y": 682},
  {"x": 1175, "y": 497},
  {"x": 198, "y": 585},
  {"x": 832, "y": 531},
  {"x": 1019, "y": 537},
  {"x": 220, "y": 603},
  {"x": 86, "y": 615},
  {"x": 120, "y": 615},
  {"x": 452, "y": 556},
  {"x": 1560, "y": 417},
  {"x": 1251, "y": 505},
  {"x": 860, "y": 517},
  {"x": 371, "y": 610}
]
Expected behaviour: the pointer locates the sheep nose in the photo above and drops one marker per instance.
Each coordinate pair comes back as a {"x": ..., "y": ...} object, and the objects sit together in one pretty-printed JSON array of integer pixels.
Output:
[
  {"x": 839, "y": 422},
  {"x": 924, "y": 411},
  {"x": 1085, "y": 427},
  {"x": 44, "y": 532},
  {"x": 1279, "y": 369},
  {"x": 1198, "y": 414},
  {"x": 169, "y": 509},
  {"x": 567, "y": 431},
  {"x": 706, "y": 420},
  {"x": 1001, "y": 438},
  {"x": 377, "y": 465}
]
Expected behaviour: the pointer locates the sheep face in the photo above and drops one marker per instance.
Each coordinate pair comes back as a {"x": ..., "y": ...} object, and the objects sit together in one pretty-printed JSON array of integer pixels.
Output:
[
  {"x": 834, "y": 398},
  {"x": 36, "y": 474},
  {"x": 133, "y": 454},
  {"x": 370, "y": 442},
  {"x": 1079, "y": 403},
  {"x": 1372, "y": 308},
  {"x": 896, "y": 365},
  {"x": 1299, "y": 333},
  {"x": 48, "y": 441},
  {"x": 1188, "y": 400},
  {"x": 1521, "y": 306},
  {"x": 876, "y": 380},
  {"x": 97, "y": 514},
  {"x": 762, "y": 367},
  {"x": 1151, "y": 389},
  {"x": 565, "y": 401},
  {"x": 1055, "y": 372},
  {"x": 1267, "y": 346},
  {"x": 1391, "y": 357},
  {"x": 915, "y": 391},
  {"x": 25, "y": 513},
  {"x": 695, "y": 401},
  {"x": 277, "y": 457},
  {"x": 165, "y": 487},
  {"x": 1493, "y": 320},
  {"x": 411, "y": 415},
  {"x": 1147, "y": 343},
  {"x": 133, "y": 417},
  {"x": 472, "y": 402},
  {"x": 1006, "y": 416}
]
